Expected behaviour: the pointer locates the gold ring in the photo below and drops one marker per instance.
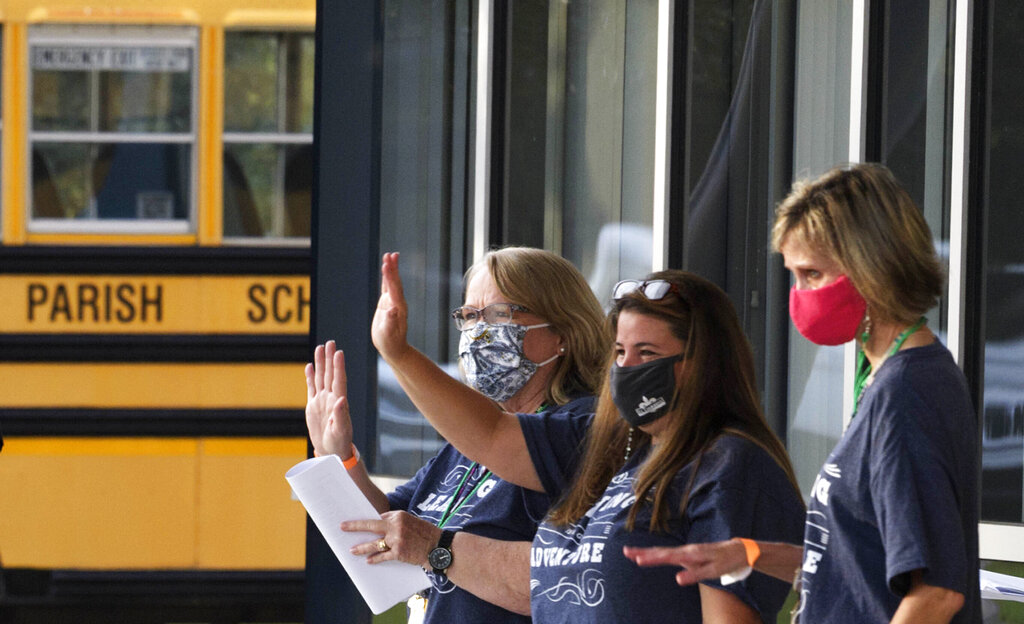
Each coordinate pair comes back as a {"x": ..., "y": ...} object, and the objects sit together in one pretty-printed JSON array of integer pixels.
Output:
[{"x": 382, "y": 545}]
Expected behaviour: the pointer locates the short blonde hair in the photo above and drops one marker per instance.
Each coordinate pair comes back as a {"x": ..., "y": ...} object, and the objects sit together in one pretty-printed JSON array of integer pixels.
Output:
[
  {"x": 553, "y": 289},
  {"x": 862, "y": 217}
]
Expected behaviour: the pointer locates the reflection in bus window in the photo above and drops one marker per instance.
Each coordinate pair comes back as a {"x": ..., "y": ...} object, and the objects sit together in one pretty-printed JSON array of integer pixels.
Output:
[
  {"x": 112, "y": 129},
  {"x": 268, "y": 124}
]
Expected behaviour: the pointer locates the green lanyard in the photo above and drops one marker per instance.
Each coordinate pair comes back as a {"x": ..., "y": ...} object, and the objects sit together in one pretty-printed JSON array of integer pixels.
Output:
[
  {"x": 449, "y": 512},
  {"x": 865, "y": 374}
]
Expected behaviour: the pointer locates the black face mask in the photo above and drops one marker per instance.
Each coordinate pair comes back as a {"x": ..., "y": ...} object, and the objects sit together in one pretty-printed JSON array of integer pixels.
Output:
[{"x": 643, "y": 393}]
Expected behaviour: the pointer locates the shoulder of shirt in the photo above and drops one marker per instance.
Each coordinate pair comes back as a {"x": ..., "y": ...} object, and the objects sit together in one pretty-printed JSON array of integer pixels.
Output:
[
  {"x": 931, "y": 351},
  {"x": 731, "y": 451},
  {"x": 733, "y": 441},
  {"x": 730, "y": 463},
  {"x": 906, "y": 367},
  {"x": 908, "y": 381},
  {"x": 581, "y": 404}
]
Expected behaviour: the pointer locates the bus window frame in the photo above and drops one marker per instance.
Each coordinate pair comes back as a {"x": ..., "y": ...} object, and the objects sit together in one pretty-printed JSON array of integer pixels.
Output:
[
  {"x": 115, "y": 34},
  {"x": 3, "y": 169},
  {"x": 276, "y": 139}
]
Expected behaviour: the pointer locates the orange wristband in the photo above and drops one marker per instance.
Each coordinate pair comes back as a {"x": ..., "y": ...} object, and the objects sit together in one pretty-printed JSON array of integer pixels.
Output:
[
  {"x": 351, "y": 462},
  {"x": 753, "y": 550}
]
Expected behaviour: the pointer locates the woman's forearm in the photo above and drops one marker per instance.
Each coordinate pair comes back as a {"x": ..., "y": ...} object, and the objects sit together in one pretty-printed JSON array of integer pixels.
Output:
[
  {"x": 361, "y": 477},
  {"x": 471, "y": 422},
  {"x": 927, "y": 603},
  {"x": 711, "y": 560},
  {"x": 779, "y": 559},
  {"x": 493, "y": 570},
  {"x": 720, "y": 607}
]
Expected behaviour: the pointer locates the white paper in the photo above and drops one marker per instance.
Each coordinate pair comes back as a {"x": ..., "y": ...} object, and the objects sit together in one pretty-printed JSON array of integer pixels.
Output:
[
  {"x": 331, "y": 497},
  {"x": 737, "y": 576},
  {"x": 995, "y": 586}
]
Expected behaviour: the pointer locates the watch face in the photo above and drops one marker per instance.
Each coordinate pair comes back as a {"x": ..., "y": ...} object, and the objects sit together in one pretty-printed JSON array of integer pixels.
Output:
[{"x": 440, "y": 558}]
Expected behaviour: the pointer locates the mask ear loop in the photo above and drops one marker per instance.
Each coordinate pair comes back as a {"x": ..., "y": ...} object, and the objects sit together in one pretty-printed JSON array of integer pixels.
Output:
[
  {"x": 553, "y": 357},
  {"x": 549, "y": 360}
]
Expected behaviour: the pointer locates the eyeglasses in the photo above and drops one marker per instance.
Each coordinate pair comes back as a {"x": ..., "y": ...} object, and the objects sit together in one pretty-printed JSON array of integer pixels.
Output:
[
  {"x": 652, "y": 289},
  {"x": 494, "y": 314}
]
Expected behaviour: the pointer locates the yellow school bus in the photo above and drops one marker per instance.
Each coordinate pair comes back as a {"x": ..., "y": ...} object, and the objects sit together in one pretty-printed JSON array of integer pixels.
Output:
[{"x": 155, "y": 173}]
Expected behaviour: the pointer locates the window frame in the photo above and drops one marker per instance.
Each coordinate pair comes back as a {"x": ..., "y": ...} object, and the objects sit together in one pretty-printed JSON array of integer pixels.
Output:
[
  {"x": 997, "y": 541},
  {"x": 278, "y": 139},
  {"x": 120, "y": 35}
]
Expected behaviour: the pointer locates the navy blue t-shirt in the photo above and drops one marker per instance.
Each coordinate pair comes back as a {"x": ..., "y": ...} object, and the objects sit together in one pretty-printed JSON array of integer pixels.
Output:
[
  {"x": 496, "y": 509},
  {"x": 899, "y": 493},
  {"x": 579, "y": 574}
]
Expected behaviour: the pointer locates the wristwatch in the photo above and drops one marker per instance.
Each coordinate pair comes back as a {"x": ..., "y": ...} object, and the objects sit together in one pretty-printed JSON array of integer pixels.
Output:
[{"x": 440, "y": 558}]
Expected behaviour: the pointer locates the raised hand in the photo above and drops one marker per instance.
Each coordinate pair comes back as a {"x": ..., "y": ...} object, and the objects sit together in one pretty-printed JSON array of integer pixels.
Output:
[
  {"x": 391, "y": 320},
  {"x": 327, "y": 417}
]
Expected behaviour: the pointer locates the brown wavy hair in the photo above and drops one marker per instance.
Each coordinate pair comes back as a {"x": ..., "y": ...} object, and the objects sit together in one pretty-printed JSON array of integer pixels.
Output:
[
  {"x": 715, "y": 395},
  {"x": 863, "y": 218},
  {"x": 553, "y": 288}
]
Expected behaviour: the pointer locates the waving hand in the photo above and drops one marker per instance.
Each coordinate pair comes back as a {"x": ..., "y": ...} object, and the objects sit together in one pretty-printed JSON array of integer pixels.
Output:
[
  {"x": 327, "y": 416},
  {"x": 391, "y": 320}
]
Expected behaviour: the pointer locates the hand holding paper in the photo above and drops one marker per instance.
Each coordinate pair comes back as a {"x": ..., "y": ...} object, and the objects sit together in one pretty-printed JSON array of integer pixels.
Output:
[{"x": 331, "y": 497}]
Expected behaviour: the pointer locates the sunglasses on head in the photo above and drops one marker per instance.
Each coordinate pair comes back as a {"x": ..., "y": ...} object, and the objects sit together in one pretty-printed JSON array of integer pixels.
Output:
[{"x": 652, "y": 289}]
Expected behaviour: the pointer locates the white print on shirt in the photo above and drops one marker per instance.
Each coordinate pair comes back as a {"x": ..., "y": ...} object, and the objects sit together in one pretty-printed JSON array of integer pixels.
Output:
[
  {"x": 814, "y": 549},
  {"x": 435, "y": 504},
  {"x": 433, "y": 507},
  {"x": 816, "y": 533},
  {"x": 556, "y": 556},
  {"x": 820, "y": 489},
  {"x": 588, "y": 589},
  {"x": 811, "y": 561},
  {"x": 588, "y": 536}
]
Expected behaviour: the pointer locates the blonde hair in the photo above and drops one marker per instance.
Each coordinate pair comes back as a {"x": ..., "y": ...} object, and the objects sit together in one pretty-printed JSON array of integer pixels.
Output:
[
  {"x": 553, "y": 289},
  {"x": 715, "y": 395},
  {"x": 862, "y": 217}
]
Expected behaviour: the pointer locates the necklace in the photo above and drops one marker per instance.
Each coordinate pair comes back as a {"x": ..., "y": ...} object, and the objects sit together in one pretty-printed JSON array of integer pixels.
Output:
[{"x": 865, "y": 374}]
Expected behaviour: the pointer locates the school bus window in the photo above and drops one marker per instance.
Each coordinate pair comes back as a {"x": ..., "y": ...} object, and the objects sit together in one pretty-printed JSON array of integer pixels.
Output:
[
  {"x": 112, "y": 125},
  {"x": 1, "y": 90},
  {"x": 268, "y": 125}
]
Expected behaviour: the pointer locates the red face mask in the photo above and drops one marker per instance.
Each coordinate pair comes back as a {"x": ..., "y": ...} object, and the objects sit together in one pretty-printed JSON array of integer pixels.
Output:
[{"x": 829, "y": 315}]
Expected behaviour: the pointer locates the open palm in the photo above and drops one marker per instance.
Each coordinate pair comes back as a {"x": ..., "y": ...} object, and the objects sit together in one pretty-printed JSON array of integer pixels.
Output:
[
  {"x": 327, "y": 416},
  {"x": 390, "y": 321}
]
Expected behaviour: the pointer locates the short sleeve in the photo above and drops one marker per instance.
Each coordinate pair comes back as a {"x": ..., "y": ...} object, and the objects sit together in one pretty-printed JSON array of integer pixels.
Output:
[
  {"x": 401, "y": 498},
  {"x": 740, "y": 491},
  {"x": 913, "y": 487},
  {"x": 555, "y": 441}
]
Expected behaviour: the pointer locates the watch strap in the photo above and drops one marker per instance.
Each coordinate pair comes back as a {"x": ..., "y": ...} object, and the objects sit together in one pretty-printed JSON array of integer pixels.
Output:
[
  {"x": 447, "y": 535},
  {"x": 442, "y": 550}
]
